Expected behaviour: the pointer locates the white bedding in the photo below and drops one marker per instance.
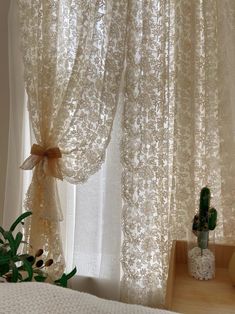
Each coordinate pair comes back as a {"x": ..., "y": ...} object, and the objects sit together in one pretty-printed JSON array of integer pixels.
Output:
[{"x": 43, "y": 298}]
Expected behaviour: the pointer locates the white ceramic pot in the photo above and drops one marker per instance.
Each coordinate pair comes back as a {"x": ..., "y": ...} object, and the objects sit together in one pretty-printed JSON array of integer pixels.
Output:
[{"x": 201, "y": 266}]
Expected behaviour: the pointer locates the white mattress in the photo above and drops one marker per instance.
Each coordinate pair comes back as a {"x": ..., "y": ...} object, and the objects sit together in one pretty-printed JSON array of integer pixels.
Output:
[{"x": 43, "y": 298}]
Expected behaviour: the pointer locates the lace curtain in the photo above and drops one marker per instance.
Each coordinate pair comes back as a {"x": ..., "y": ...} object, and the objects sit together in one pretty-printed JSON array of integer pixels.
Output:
[
  {"x": 73, "y": 58},
  {"x": 178, "y": 132}
]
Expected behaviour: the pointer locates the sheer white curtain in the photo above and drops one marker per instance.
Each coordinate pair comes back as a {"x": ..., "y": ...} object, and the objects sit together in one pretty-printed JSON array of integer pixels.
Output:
[
  {"x": 92, "y": 223},
  {"x": 19, "y": 130},
  {"x": 91, "y": 228}
]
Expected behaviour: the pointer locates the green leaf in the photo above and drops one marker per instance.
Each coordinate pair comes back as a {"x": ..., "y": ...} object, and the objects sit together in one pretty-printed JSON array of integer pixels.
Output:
[
  {"x": 19, "y": 219},
  {"x": 3, "y": 250},
  {"x": 71, "y": 274},
  {"x": 15, "y": 259},
  {"x": 28, "y": 267},
  {"x": 4, "y": 259},
  {"x": 62, "y": 281},
  {"x": 40, "y": 278},
  {"x": 2, "y": 231},
  {"x": 10, "y": 238},
  {"x": 15, "y": 273},
  {"x": 18, "y": 240},
  {"x": 4, "y": 269}
]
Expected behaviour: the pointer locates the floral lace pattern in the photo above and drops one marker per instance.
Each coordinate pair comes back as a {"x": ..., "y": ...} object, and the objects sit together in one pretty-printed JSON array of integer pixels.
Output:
[
  {"x": 73, "y": 57},
  {"x": 73, "y": 52},
  {"x": 178, "y": 132}
]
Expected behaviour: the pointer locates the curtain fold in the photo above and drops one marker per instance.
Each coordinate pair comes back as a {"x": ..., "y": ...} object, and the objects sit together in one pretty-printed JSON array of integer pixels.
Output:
[
  {"x": 178, "y": 132},
  {"x": 73, "y": 59}
]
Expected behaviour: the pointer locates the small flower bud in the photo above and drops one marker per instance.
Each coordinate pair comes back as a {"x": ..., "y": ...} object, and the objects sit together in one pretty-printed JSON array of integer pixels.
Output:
[
  {"x": 49, "y": 262},
  {"x": 39, "y": 263},
  {"x": 39, "y": 253},
  {"x": 31, "y": 259}
]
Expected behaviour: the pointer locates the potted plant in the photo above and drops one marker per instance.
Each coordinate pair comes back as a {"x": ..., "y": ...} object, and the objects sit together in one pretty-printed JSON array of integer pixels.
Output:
[
  {"x": 201, "y": 259},
  {"x": 16, "y": 266}
]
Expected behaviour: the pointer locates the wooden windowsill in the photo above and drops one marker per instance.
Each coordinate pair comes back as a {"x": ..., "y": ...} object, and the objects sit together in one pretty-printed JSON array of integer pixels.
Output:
[{"x": 188, "y": 295}]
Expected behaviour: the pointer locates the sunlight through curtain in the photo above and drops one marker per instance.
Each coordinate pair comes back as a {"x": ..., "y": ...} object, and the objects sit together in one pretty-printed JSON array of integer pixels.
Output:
[
  {"x": 178, "y": 132},
  {"x": 177, "y": 124}
]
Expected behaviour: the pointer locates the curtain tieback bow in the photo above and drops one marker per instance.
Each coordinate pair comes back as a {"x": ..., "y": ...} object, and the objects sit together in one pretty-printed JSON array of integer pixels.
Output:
[{"x": 48, "y": 158}]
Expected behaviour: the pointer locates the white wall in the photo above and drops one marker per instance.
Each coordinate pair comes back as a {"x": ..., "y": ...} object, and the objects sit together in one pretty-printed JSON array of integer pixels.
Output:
[{"x": 4, "y": 98}]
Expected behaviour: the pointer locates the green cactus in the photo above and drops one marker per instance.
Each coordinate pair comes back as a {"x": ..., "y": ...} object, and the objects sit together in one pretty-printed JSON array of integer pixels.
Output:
[
  {"x": 205, "y": 220},
  {"x": 212, "y": 218}
]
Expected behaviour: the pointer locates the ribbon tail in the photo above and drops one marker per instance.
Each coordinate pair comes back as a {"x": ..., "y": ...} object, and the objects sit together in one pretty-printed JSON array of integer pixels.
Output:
[{"x": 30, "y": 162}]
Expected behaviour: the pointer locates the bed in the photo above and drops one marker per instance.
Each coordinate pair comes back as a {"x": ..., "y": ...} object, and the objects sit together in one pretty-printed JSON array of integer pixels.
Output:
[{"x": 43, "y": 298}]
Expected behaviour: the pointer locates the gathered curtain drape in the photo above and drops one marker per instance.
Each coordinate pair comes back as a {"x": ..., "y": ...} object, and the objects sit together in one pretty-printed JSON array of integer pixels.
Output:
[
  {"x": 178, "y": 120},
  {"x": 178, "y": 132},
  {"x": 73, "y": 59}
]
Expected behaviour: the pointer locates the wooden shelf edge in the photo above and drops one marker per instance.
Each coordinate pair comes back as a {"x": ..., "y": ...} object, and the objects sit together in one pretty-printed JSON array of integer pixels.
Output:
[{"x": 171, "y": 277}]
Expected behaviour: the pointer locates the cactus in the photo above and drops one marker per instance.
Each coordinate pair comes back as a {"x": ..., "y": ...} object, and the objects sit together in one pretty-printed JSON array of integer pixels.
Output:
[{"x": 205, "y": 220}]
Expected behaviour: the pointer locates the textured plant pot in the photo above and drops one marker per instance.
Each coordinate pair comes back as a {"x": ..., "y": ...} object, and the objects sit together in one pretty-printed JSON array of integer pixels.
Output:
[
  {"x": 201, "y": 263},
  {"x": 231, "y": 268}
]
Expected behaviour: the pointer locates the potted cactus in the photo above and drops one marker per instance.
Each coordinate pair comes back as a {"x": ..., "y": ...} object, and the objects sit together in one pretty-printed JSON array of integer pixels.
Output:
[{"x": 201, "y": 259}]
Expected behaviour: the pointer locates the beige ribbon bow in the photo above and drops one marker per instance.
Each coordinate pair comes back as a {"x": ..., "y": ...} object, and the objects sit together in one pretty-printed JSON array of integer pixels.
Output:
[{"x": 48, "y": 158}]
